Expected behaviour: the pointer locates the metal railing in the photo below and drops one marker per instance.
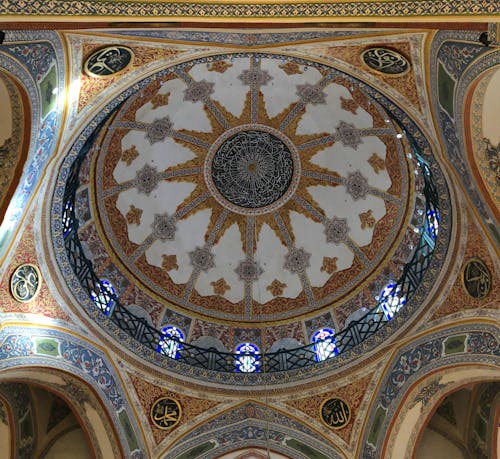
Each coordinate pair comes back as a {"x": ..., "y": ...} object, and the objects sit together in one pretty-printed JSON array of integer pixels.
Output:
[{"x": 287, "y": 359}]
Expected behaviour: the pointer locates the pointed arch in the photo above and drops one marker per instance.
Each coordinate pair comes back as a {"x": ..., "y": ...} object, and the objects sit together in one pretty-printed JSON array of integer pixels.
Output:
[
  {"x": 252, "y": 425},
  {"x": 419, "y": 375},
  {"x": 75, "y": 369},
  {"x": 15, "y": 131}
]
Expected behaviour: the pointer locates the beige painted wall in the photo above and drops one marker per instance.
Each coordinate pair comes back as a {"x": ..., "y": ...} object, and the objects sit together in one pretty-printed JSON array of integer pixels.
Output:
[
  {"x": 5, "y": 114},
  {"x": 491, "y": 109},
  {"x": 434, "y": 445},
  {"x": 4, "y": 440},
  {"x": 71, "y": 445}
]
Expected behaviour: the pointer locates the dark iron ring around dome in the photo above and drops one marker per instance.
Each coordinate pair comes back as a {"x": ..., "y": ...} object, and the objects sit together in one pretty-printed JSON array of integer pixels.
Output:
[
  {"x": 127, "y": 325},
  {"x": 288, "y": 359}
]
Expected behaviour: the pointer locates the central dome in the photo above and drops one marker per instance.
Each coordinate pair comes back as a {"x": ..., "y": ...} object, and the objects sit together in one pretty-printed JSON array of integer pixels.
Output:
[
  {"x": 251, "y": 187},
  {"x": 249, "y": 203}
]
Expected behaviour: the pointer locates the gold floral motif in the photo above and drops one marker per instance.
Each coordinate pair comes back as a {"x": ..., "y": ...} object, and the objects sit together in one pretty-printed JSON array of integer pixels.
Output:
[
  {"x": 160, "y": 100},
  {"x": 349, "y": 105},
  {"x": 291, "y": 68},
  {"x": 377, "y": 163},
  {"x": 169, "y": 262},
  {"x": 219, "y": 66},
  {"x": 220, "y": 286},
  {"x": 134, "y": 215},
  {"x": 276, "y": 287},
  {"x": 367, "y": 219},
  {"x": 129, "y": 155},
  {"x": 329, "y": 265}
]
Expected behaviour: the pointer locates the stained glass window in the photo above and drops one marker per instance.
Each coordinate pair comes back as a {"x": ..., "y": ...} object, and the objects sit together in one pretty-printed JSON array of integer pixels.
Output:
[
  {"x": 66, "y": 219},
  {"x": 324, "y": 344},
  {"x": 248, "y": 358},
  {"x": 390, "y": 300},
  {"x": 171, "y": 347},
  {"x": 104, "y": 296},
  {"x": 432, "y": 222}
]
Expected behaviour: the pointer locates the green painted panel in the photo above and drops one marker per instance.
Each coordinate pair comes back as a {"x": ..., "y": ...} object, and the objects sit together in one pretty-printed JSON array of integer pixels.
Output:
[
  {"x": 455, "y": 344},
  {"x": 311, "y": 453},
  {"x": 446, "y": 88},
  {"x": 47, "y": 86},
  {"x": 378, "y": 420},
  {"x": 129, "y": 432},
  {"x": 47, "y": 346},
  {"x": 197, "y": 451}
]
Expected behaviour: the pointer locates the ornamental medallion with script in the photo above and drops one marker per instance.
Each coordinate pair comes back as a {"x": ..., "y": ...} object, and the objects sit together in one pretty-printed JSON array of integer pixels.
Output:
[
  {"x": 166, "y": 413},
  {"x": 25, "y": 283},
  {"x": 476, "y": 279},
  {"x": 335, "y": 413},
  {"x": 385, "y": 61},
  {"x": 108, "y": 61}
]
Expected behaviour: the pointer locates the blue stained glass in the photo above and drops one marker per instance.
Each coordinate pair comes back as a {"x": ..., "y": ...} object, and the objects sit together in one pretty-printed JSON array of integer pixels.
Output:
[
  {"x": 325, "y": 346},
  {"x": 104, "y": 296},
  {"x": 66, "y": 219},
  {"x": 433, "y": 222},
  {"x": 248, "y": 358},
  {"x": 390, "y": 300},
  {"x": 171, "y": 347}
]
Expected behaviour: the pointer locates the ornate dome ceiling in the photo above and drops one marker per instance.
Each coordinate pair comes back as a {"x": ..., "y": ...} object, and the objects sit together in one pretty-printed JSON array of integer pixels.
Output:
[
  {"x": 247, "y": 197},
  {"x": 251, "y": 187}
]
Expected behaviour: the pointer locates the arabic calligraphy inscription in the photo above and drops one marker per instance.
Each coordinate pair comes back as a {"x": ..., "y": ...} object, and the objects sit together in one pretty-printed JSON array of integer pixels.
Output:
[
  {"x": 335, "y": 413},
  {"x": 385, "y": 61},
  {"x": 165, "y": 413},
  {"x": 25, "y": 283},
  {"x": 476, "y": 278},
  {"x": 108, "y": 61}
]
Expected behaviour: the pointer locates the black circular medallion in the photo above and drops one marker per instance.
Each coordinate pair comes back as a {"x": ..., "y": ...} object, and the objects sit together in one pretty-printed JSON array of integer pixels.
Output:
[
  {"x": 476, "y": 279},
  {"x": 386, "y": 61},
  {"x": 252, "y": 169},
  {"x": 335, "y": 413},
  {"x": 165, "y": 413},
  {"x": 108, "y": 61}
]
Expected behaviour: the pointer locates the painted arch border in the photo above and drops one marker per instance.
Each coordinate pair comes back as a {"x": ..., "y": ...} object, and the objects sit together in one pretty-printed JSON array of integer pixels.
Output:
[
  {"x": 479, "y": 347},
  {"x": 50, "y": 348},
  {"x": 45, "y": 130},
  {"x": 466, "y": 87},
  {"x": 451, "y": 128},
  {"x": 234, "y": 422},
  {"x": 47, "y": 379},
  {"x": 430, "y": 401}
]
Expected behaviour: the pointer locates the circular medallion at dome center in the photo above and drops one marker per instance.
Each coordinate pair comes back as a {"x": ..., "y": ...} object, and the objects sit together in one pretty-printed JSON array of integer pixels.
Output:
[{"x": 252, "y": 169}]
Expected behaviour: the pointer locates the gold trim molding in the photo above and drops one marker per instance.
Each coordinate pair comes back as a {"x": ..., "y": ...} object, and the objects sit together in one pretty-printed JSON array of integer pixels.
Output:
[{"x": 271, "y": 11}]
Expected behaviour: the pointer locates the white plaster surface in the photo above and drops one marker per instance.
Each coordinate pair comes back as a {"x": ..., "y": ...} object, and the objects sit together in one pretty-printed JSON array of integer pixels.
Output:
[
  {"x": 326, "y": 117},
  {"x": 271, "y": 255},
  {"x": 228, "y": 253},
  {"x": 281, "y": 91}
]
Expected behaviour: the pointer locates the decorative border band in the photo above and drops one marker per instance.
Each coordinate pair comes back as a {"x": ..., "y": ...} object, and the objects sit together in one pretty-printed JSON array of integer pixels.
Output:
[{"x": 339, "y": 10}]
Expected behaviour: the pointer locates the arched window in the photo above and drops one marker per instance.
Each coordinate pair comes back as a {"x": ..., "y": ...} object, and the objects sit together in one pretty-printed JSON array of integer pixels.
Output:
[
  {"x": 248, "y": 358},
  {"x": 390, "y": 300},
  {"x": 104, "y": 296},
  {"x": 169, "y": 346},
  {"x": 324, "y": 344}
]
